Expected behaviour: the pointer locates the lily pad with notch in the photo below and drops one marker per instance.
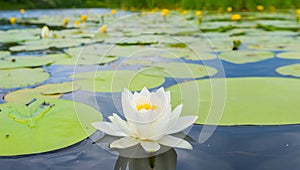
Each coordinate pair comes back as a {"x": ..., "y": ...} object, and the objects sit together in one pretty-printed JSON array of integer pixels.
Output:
[{"x": 44, "y": 126}]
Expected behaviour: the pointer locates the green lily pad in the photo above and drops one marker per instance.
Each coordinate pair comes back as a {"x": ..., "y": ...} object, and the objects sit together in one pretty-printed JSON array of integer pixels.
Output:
[
  {"x": 45, "y": 91},
  {"x": 140, "y": 40},
  {"x": 167, "y": 52},
  {"x": 274, "y": 43},
  {"x": 19, "y": 35},
  {"x": 4, "y": 54},
  {"x": 44, "y": 126},
  {"x": 116, "y": 80},
  {"x": 18, "y": 62},
  {"x": 249, "y": 101},
  {"x": 174, "y": 69},
  {"x": 289, "y": 70},
  {"x": 218, "y": 44},
  {"x": 49, "y": 89},
  {"x": 188, "y": 54},
  {"x": 22, "y": 77},
  {"x": 289, "y": 55},
  {"x": 80, "y": 59},
  {"x": 43, "y": 44},
  {"x": 280, "y": 24},
  {"x": 241, "y": 57}
]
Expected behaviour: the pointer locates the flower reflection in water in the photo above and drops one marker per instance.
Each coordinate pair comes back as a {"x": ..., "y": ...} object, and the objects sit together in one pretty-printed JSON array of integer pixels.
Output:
[
  {"x": 163, "y": 161},
  {"x": 135, "y": 157}
]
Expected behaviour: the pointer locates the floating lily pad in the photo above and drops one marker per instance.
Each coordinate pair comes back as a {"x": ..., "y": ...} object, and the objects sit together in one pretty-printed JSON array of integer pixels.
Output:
[
  {"x": 276, "y": 44},
  {"x": 289, "y": 70},
  {"x": 141, "y": 61},
  {"x": 4, "y": 54},
  {"x": 175, "y": 69},
  {"x": 50, "y": 89},
  {"x": 280, "y": 24},
  {"x": 241, "y": 57},
  {"x": 218, "y": 44},
  {"x": 167, "y": 52},
  {"x": 80, "y": 59},
  {"x": 289, "y": 55},
  {"x": 25, "y": 96},
  {"x": 22, "y": 77},
  {"x": 46, "y": 91},
  {"x": 188, "y": 54},
  {"x": 43, "y": 44},
  {"x": 249, "y": 101},
  {"x": 116, "y": 80},
  {"x": 141, "y": 40},
  {"x": 19, "y": 35},
  {"x": 44, "y": 126},
  {"x": 18, "y": 62}
]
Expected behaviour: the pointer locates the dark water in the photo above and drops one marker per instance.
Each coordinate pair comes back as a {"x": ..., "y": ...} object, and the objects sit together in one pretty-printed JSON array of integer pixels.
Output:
[{"x": 229, "y": 148}]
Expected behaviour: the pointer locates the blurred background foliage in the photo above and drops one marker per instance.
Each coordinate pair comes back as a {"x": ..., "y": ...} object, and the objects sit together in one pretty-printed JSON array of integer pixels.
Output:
[{"x": 237, "y": 5}]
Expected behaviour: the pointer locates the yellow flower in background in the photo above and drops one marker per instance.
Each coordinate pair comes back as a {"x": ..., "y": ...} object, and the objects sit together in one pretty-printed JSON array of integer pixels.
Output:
[
  {"x": 229, "y": 9},
  {"x": 107, "y": 14},
  {"x": 198, "y": 13},
  {"x": 83, "y": 18},
  {"x": 165, "y": 12},
  {"x": 260, "y": 8},
  {"x": 149, "y": 122},
  {"x": 45, "y": 32},
  {"x": 184, "y": 12},
  {"x": 22, "y": 11},
  {"x": 236, "y": 17},
  {"x": 298, "y": 11},
  {"x": 102, "y": 29},
  {"x": 12, "y": 20},
  {"x": 113, "y": 11},
  {"x": 65, "y": 21},
  {"x": 76, "y": 23}
]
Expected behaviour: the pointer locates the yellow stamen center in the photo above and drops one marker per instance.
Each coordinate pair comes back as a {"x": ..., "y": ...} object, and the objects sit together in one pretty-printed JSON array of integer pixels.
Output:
[{"x": 146, "y": 106}]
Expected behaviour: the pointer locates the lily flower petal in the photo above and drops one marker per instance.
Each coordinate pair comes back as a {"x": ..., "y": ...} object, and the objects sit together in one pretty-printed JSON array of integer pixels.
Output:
[
  {"x": 182, "y": 123},
  {"x": 172, "y": 141},
  {"x": 109, "y": 128},
  {"x": 175, "y": 114},
  {"x": 122, "y": 125},
  {"x": 150, "y": 146},
  {"x": 145, "y": 92},
  {"x": 124, "y": 142},
  {"x": 149, "y": 121}
]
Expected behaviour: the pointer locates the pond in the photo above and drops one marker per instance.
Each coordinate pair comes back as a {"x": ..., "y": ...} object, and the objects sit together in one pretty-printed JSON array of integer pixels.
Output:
[{"x": 257, "y": 54}]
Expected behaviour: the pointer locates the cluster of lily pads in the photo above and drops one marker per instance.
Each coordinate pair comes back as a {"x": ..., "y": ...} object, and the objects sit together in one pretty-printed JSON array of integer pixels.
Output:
[{"x": 139, "y": 50}]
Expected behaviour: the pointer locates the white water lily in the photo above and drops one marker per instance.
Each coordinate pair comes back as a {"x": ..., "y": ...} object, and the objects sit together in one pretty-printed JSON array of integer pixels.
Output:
[
  {"x": 150, "y": 121},
  {"x": 45, "y": 32}
]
